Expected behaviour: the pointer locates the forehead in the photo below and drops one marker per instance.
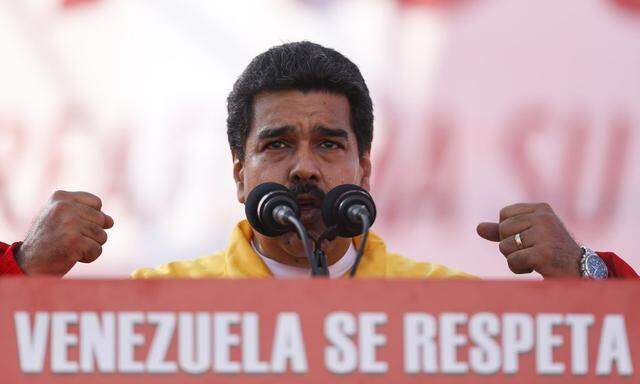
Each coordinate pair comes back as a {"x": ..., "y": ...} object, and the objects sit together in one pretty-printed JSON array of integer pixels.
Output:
[{"x": 297, "y": 108}]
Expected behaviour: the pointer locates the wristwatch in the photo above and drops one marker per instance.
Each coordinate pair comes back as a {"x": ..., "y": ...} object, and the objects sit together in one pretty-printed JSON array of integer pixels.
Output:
[{"x": 592, "y": 266}]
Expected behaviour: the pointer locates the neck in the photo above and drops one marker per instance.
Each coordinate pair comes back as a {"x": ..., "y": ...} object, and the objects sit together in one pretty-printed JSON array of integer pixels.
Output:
[{"x": 287, "y": 249}]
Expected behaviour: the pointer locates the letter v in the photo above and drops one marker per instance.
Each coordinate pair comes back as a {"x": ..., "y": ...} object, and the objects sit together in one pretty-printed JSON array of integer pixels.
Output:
[{"x": 32, "y": 344}]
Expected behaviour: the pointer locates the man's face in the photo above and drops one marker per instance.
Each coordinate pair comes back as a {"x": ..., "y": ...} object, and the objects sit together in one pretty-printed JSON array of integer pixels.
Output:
[{"x": 301, "y": 139}]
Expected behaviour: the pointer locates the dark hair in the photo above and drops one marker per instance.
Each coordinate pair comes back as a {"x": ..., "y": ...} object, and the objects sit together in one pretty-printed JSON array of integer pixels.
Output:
[{"x": 302, "y": 66}]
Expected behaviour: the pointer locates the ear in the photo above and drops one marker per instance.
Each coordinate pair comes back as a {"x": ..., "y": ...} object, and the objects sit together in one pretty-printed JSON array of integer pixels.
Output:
[
  {"x": 238, "y": 176},
  {"x": 365, "y": 169}
]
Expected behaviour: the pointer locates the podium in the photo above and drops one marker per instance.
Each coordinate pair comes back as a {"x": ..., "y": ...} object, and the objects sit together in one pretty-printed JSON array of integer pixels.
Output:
[{"x": 318, "y": 330}]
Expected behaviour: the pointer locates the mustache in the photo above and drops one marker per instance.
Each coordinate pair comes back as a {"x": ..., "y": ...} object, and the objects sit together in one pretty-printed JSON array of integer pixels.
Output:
[{"x": 307, "y": 188}]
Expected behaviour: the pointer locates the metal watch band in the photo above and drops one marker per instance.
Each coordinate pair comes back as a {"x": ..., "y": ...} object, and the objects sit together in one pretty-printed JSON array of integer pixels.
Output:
[{"x": 587, "y": 255}]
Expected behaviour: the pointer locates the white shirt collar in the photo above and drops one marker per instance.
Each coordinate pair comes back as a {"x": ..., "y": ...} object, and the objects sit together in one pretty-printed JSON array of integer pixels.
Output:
[{"x": 337, "y": 269}]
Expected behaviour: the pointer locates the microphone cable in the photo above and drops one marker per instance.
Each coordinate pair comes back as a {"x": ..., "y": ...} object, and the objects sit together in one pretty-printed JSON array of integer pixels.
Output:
[
  {"x": 304, "y": 237},
  {"x": 285, "y": 214},
  {"x": 366, "y": 224}
]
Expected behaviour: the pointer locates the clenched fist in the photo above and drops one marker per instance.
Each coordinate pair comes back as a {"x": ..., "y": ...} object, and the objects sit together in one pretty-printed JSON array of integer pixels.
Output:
[
  {"x": 532, "y": 238},
  {"x": 69, "y": 229}
]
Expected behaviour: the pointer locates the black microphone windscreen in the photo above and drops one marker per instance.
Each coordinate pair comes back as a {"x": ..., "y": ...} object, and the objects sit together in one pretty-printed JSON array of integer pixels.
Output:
[
  {"x": 256, "y": 215},
  {"x": 334, "y": 212}
]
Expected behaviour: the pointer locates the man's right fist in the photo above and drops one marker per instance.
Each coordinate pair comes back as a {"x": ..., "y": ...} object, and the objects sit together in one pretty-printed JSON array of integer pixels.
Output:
[{"x": 70, "y": 228}]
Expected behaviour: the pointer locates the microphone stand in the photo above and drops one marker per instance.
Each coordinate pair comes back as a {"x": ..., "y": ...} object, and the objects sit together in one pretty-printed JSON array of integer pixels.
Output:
[
  {"x": 318, "y": 264},
  {"x": 321, "y": 267}
]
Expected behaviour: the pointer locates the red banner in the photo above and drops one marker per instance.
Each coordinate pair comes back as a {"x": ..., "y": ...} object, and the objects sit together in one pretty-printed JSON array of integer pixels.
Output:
[{"x": 317, "y": 331}]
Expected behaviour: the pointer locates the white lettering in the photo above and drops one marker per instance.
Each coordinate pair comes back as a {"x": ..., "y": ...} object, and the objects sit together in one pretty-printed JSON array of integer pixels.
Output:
[
  {"x": 61, "y": 340},
  {"x": 97, "y": 342},
  {"x": 224, "y": 340},
  {"x": 251, "y": 345},
  {"x": 31, "y": 345},
  {"x": 419, "y": 345},
  {"x": 128, "y": 340},
  {"x": 517, "y": 338},
  {"x": 165, "y": 326},
  {"x": 288, "y": 344},
  {"x": 614, "y": 347},
  {"x": 341, "y": 356},
  {"x": 186, "y": 336},
  {"x": 546, "y": 341},
  {"x": 579, "y": 342},
  {"x": 450, "y": 341},
  {"x": 369, "y": 341},
  {"x": 484, "y": 358}
]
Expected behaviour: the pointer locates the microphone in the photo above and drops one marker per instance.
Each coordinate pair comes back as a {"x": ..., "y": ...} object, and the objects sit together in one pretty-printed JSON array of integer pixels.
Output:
[
  {"x": 351, "y": 211},
  {"x": 272, "y": 210},
  {"x": 347, "y": 206}
]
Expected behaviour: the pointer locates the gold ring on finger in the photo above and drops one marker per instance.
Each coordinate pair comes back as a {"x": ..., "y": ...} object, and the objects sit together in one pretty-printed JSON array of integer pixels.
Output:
[{"x": 518, "y": 240}]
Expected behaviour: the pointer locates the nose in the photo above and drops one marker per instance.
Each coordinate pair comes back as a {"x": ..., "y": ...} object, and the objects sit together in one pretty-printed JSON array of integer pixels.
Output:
[{"x": 305, "y": 167}]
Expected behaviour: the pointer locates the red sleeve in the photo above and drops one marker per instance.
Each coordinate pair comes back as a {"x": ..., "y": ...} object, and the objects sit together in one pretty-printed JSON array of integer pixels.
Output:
[
  {"x": 617, "y": 267},
  {"x": 8, "y": 264}
]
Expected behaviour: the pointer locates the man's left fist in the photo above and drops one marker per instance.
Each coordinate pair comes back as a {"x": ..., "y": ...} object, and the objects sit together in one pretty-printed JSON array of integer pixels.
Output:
[{"x": 545, "y": 246}]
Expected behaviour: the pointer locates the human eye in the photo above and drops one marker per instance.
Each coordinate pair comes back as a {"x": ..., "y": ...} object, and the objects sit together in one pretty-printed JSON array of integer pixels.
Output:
[
  {"x": 328, "y": 144},
  {"x": 276, "y": 144}
]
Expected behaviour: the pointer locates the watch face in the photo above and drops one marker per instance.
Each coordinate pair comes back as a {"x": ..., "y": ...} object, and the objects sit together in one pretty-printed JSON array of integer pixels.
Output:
[{"x": 596, "y": 268}]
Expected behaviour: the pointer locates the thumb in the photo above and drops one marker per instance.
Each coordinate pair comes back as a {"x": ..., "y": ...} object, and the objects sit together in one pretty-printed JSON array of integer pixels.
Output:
[{"x": 488, "y": 231}]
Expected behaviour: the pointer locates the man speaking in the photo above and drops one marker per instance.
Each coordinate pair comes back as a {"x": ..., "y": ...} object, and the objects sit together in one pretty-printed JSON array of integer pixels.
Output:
[{"x": 300, "y": 115}]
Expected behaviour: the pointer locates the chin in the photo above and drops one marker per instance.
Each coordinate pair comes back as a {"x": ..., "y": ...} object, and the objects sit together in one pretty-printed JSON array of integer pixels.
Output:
[
  {"x": 292, "y": 243},
  {"x": 314, "y": 232},
  {"x": 312, "y": 221}
]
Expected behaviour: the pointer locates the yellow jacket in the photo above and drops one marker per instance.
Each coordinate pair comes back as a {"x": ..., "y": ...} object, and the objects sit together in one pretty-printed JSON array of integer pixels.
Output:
[{"x": 240, "y": 260}]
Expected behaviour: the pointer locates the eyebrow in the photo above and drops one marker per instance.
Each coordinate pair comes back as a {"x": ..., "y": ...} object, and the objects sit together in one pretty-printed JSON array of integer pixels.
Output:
[
  {"x": 270, "y": 133},
  {"x": 331, "y": 132}
]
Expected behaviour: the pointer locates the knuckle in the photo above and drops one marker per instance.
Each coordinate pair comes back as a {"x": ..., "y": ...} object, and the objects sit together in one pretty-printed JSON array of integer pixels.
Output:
[
  {"x": 101, "y": 236},
  {"x": 95, "y": 250},
  {"x": 61, "y": 208},
  {"x": 85, "y": 251},
  {"x": 101, "y": 219},
  {"x": 502, "y": 246},
  {"x": 547, "y": 217},
  {"x": 67, "y": 221},
  {"x": 518, "y": 265},
  {"x": 94, "y": 200},
  {"x": 70, "y": 258},
  {"x": 59, "y": 195},
  {"x": 97, "y": 201},
  {"x": 73, "y": 240},
  {"x": 510, "y": 226},
  {"x": 533, "y": 234},
  {"x": 92, "y": 252},
  {"x": 93, "y": 231},
  {"x": 540, "y": 217},
  {"x": 513, "y": 264},
  {"x": 544, "y": 206},
  {"x": 502, "y": 230}
]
